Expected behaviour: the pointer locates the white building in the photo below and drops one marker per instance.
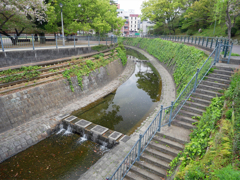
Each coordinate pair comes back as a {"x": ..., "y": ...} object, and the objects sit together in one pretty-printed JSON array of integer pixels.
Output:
[
  {"x": 145, "y": 26},
  {"x": 134, "y": 24}
]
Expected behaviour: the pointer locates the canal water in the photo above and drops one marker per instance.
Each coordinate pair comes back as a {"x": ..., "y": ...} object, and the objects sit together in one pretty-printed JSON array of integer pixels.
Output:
[{"x": 67, "y": 155}]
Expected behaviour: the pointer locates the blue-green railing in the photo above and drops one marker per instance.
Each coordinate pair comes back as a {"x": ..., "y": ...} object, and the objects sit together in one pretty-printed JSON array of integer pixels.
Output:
[
  {"x": 34, "y": 42},
  {"x": 166, "y": 115}
]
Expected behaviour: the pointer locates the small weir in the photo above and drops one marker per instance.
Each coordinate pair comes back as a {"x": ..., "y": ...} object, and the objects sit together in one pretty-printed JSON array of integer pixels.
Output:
[{"x": 85, "y": 135}]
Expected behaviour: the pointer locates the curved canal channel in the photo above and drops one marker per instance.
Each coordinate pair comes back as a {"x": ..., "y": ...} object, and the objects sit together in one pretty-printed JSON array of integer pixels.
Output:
[{"x": 65, "y": 155}]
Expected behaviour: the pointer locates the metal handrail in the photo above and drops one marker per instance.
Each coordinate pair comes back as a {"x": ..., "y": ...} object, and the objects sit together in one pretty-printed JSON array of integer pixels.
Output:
[{"x": 152, "y": 130}]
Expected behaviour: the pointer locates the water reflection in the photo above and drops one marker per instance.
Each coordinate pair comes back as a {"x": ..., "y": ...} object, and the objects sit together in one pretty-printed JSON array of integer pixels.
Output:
[{"x": 123, "y": 109}]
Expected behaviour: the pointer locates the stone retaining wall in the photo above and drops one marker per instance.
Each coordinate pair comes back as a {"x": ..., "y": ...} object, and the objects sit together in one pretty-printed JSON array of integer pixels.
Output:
[
  {"x": 13, "y": 58},
  {"x": 23, "y": 106}
]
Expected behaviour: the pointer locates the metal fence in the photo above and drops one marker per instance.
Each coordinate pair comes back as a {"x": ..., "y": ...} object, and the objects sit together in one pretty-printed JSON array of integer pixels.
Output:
[
  {"x": 167, "y": 114},
  {"x": 37, "y": 42}
]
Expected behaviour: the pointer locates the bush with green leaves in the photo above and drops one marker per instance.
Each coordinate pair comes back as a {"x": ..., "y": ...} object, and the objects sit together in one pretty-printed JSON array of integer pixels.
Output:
[
  {"x": 181, "y": 59},
  {"x": 233, "y": 31}
]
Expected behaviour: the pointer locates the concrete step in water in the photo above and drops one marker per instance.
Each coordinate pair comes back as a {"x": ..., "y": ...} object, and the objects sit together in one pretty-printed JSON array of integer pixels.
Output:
[
  {"x": 218, "y": 80},
  {"x": 187, "y": 114},
  {"x": 229, "y": 73},
  {"x": 171, "y": 138},
  {"x": 182, "y": 124},
  {"x": 160, "y": 155},
  {"x": 200, "y": 101},
  {"x": 151, "y": 168},
  {"x": 208, "y": 92},
  {"x": 209, "y": 88},
  {"x": 215, "y": 84},
  {"x": 202, "y": 96},
  {"x": 195, "y": 105},
  {"x": 153, "y": 160},
  {"x": 193, "y": 110},
  {"x": 144, "y": 173},
  {"x": 223, "y": 68},
  {"x": 167, "y": 142},
  {"x": 163, "y": 148},
  {"x": 186, "y": 119}
]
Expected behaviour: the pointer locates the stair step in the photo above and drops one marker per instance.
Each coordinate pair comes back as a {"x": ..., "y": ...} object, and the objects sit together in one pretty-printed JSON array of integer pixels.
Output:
[
  {"x": 193, "y": 110},
  {"x": 151, "y": 168},
  {"x": 172, "y": 144},
  {"x": 132, "y": 176},
  {"x": 229, "y": 73},
  {"x": 187, "y": 114},
  {"x": 219, "y": 80},
  {"x": 178, "y": 123},
  {"x": 185, "y": 119},
  {"x": 144, "y": 173},
  {"x": 209, "y": 88},
  {"x": 195, "y": 105},
  {"x": 223, "y": 68},
  {"x": 159, "y": 155},
  {"x": 152, "y": 160},
  {"x": 222, "y": 76},
  {"x": 207, "y": 92},
  {"x": 165, "y": 149},
  {"x": 215, "y": 84},
  {"x": 200, "y": 101},
  {"x": 170, "y": 138},
  {"x": 201, "y": 96}
]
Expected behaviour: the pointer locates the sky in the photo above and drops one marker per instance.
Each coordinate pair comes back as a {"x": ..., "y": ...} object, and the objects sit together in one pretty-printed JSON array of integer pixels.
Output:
[{"x": 131, "y": 4}]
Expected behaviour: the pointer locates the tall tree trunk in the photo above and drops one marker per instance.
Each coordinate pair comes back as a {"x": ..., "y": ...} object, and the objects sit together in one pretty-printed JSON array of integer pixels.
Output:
[{"x": 228, "y": 22}]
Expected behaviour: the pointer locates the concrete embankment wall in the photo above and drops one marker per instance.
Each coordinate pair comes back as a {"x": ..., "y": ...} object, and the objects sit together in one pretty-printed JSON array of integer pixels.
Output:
[
  {"x": 13, "y": 58},
  {"x": 26, "y": 105}
]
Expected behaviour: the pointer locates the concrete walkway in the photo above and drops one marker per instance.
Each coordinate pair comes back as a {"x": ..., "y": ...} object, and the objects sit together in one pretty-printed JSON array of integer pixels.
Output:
[{"x": 107, "y": 165}]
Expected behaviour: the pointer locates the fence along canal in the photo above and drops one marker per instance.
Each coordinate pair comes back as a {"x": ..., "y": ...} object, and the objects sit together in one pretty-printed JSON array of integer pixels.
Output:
[{"x": 166, "y": 114}]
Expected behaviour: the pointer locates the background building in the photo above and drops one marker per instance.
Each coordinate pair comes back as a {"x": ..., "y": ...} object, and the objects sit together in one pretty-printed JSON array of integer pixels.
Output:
[
  {"x": 145, "y": 26},
  {"x": 134, "y": 24}
]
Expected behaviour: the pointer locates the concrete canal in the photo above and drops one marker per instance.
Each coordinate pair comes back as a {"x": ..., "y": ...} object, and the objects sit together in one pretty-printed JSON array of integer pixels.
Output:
[{"x": 65, "y": 155}]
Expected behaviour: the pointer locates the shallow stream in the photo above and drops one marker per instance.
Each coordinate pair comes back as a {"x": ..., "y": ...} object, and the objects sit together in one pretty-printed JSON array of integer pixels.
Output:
[{"x": 66, "y": 155}]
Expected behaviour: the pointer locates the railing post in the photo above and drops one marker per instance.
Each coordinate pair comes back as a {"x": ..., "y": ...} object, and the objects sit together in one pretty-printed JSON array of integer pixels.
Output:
[
  {"x": 56, "y": 41},
  {"x": 98, "y": 40},
  {"x": 199, "y": 40},
  {"x": 1, "y": 43},
  {"x": 184, "y": 38},
  {"x": 139, "y": 147},
  {"x": 192, "y": 39},
  {"x": 216, "y": 43},
  {"x": 33, "y": 43},
  {"x": 195, "y": 40},
  {"x": 219, "y": 51},
  {"x": 160, "y": 119},
  {"x": 196, "y": 80},
  {"x": 203, "y": 41},
  {"x": 74, "y": 41},
  {"x": 207, "y": 42},
  {"x": 215, "y": 57},
  {"x": 229, "y": 56},
  {"x": 88, "y": 42},
  {"x": 170, "y": 117},
  {"x": 211, "y": 43},
  {"x": 188, "y": 38}
]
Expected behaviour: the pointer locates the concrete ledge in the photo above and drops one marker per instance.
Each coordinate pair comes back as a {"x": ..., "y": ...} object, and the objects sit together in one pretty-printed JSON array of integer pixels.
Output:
[{"x": 13, "y": 58}]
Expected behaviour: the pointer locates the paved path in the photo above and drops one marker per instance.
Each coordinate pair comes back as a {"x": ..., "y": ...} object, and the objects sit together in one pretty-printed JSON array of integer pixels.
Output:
[{"x": 107, "y": 165}]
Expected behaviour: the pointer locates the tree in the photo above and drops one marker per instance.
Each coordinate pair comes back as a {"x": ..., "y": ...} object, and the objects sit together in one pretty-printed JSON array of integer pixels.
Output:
[
  {"x": 99, "y": 15},
  {"x": 162, "y": 12},
  {"x": 199, "y": 14},
  {"x": 19, "y": 15},
  {"x": 230, "y": 10}
]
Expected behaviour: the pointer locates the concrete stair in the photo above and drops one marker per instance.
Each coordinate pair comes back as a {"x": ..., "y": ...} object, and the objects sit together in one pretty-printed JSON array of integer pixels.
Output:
[{"x": 166, "y": 144}]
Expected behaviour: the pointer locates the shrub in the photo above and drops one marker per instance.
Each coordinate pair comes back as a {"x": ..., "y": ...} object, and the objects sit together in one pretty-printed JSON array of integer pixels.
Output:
[
  {"x": 233, "y": 31},
  {"x": 190, "y": 32},
  {"x": 183, "y": 30}
]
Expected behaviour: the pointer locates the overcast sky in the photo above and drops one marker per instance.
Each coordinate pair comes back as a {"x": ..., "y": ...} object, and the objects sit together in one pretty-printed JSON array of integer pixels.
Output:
[{"x": 131, "y": 4}]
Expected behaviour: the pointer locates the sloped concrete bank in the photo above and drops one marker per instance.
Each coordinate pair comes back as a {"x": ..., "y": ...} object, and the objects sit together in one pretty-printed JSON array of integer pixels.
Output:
[{"x": 28, "y": 116}]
